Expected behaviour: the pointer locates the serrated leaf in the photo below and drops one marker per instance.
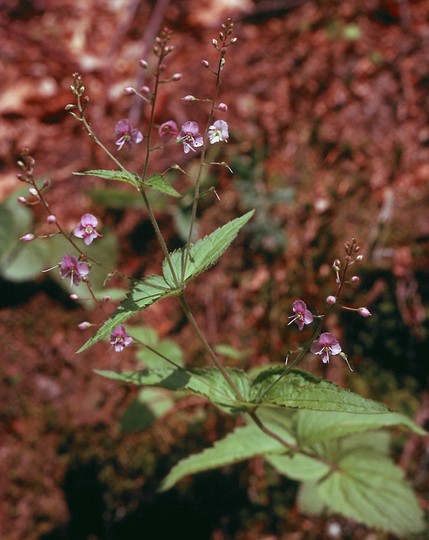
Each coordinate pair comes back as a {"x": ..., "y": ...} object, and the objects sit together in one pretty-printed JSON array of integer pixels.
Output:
[
  {"x": 157, "y": 182},
  {"x": 369, "y": 488},
  {"x": 121, "y": 176},
  {"x": 299, "y": 389},
  {"x": 141, "y": 296},
  {"x": 242, "y": 444},
  {"x": 314, "y": 426},
  {"x": 205, "y": 252},
  {"x": 207, "y": 382}
]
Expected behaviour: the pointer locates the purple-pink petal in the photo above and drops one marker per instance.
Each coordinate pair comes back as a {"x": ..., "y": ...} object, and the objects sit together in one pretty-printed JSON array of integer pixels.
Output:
[{"x": 119, "y": 339}]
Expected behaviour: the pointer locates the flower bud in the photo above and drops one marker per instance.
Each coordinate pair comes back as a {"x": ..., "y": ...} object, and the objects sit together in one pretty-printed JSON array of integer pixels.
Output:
[
  {"x": 51, "y": 219},
  {"x": 355, "y": 279},
  {"x": 331, "y": 300},
  {"x": 143, "y": 64},
  {"x": 176, "y": 77},
  {"x": 205, "y": 63},
  {"x": 214, "y": 41},
  {"x": 74, "y": 297},
  {"x": 145, "y": 89},
  {"x": 359, "y": 258},
  {"x": 107, "y": 299},
  {"x": 364, "y": 312},
  {"x": 222, "y": 107},
  {"x": 84, "y": 325},
  {"x": 129, "y": 90},
  {"x": 336, "y": 265},
  {"x": 27, "y": 237},
  {"x": 189, "y": 98},
  {"x": 33, "y": 191},
  {"x": 22, "y": 200}
]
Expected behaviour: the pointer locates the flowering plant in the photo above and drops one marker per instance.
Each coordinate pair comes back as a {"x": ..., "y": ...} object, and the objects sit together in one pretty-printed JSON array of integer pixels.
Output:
[{"x": 305, "y": 427}]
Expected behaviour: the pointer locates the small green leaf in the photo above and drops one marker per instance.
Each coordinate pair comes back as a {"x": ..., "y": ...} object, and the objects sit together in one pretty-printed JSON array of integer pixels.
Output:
[
  {"x": 242, "y": 444},
  {"x": 121, "y": 176},
  {"x": 299, "y": 389},
  {"x": 151, "y": 404},
  {"x": 144, "y": 294},
  {"x": 158, "y": 183},
  {"x": 369, "y": 488},
  {"x": 298, "y": 466}
]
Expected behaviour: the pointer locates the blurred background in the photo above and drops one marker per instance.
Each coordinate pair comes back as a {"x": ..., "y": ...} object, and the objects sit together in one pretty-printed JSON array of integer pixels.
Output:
[{"x": 328, "y": 109}]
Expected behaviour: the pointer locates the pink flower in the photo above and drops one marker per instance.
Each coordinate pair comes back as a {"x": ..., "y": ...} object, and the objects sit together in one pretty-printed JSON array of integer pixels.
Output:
[
  {"x": 302, "y": 315},
  {"x": 218, "y": 132},
  {"x": 126, "y": 134},
  {"x": 119, "y": 339},
  {"x": 190, "y": 137},
  {"x": 326, "y": 345},
  {"x": 168, "y": 130},
  {"x": 74, "y": 269},
  {"x": 86, "y": 229}
]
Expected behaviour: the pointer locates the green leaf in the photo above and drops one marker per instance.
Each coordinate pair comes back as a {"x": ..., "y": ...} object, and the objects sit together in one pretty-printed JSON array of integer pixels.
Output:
[
  {"x": 144, "y": 294},
  {"x": 242, "y": 444},
  {"x": 207, "y": 382},
  {"x": 314, "y": 426},
  {"x": 151, "y": 404},
  {"x": 298, "y": 466},
  {"x": 158, "y": 183},
  {"x": 369, "y": 488},
  {"x": 28, "y": 262},
  {"x": 117, "y": 199},
  {"x": 205, "y": 252},
  {"x": 121, "y": 176},
  {"x": 299, "y": 389}
]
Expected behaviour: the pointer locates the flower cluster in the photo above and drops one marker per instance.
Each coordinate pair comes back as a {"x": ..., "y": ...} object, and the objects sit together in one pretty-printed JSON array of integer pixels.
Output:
[{"x": 190, "y": 136}]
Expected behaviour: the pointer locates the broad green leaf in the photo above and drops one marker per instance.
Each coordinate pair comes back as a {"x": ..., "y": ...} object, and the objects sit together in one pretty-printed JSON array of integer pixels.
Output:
[
  {"x": 167, "y": 348},
  {"x": 369, "y": 488},
  {"x": 242, "y": 444},
  {"x": 144, "y": 294},
  {"x": 299, "y": 389},
  {"x": 315, "y": 426},
  {"x": 205, "y": 252},
  {"x": 27, "y": 263},
  {"x": 158, "y": 183},
  {"x": 298, "y": 466},
  {"x": 308, "y": 499},
  {"x": 150, "y": 404},
  {"x": 207, "y": 382},
  {"x": 121, "y": 176},
  {"x": 15, "y": 221}
]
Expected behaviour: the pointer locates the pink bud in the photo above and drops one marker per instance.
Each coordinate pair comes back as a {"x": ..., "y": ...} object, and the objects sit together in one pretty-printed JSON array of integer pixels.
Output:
[
  {"x": 359, "y": 258},
  {"x": 51, "y": 219},
  {"x": 74, "y": 297},
  {"x": 205, "y": 63},
  {"x": 176, "y": 77},
  {"x": 22, "y": 200},
  {"x": 33, "y": 191},
  {"x": 355, "y": 279},
  {"x": 107, "y": 299},
  {"x": 364, "y": 312},
  {"x": 331, "y": 300},
  {"x": 27, "y": 237},
  {"x": 189, "y": 98},
  {"x": 143, "y": 64},
  {"x": 222, "y": 107},
  {"x": 145, "y": 90},
  {"x": 84, "y": 325},
  {"x": 129, "y": 90}
]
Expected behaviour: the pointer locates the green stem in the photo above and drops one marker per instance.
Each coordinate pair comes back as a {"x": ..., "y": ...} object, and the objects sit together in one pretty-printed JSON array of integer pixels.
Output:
[{"x": 211, "y": 354}]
